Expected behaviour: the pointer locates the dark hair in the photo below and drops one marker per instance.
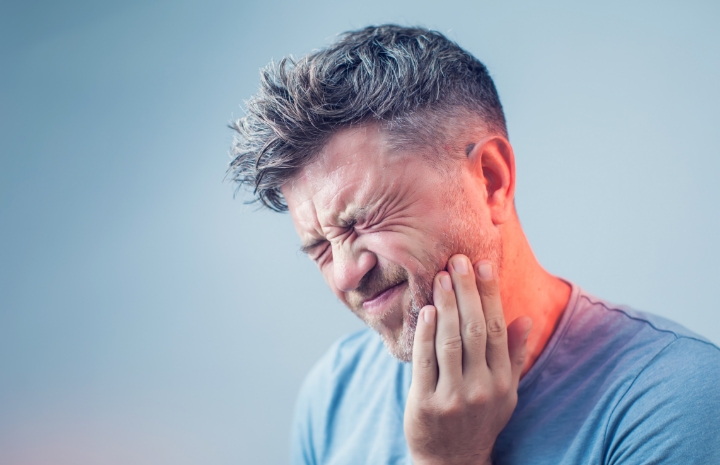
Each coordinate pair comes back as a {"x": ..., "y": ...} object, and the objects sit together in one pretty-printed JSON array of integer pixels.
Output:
[{"x": 404, "y": 78}]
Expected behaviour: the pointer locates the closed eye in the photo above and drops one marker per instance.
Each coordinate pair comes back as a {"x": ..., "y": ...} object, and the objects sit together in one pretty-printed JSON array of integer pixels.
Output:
[
  {"x": 307, "y": 249},
  {"x": 316, "y": 249}
]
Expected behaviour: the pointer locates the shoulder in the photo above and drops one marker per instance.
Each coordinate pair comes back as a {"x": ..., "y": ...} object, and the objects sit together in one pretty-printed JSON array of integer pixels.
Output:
[
  {"x": 654, "y": 324},
  {"x": 671, "y": 411},
  {"x": 647, "y": 344},
  {"x": 630, "y": 335},
  {"x": 612, "y": 344},
  {"x": 667, "y": 409}
]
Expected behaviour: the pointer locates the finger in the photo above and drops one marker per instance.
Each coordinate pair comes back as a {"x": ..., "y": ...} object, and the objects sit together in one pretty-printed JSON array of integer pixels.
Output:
[
  {"x": 424, "y": 363},
  {"x": 496, "y": 354},
  {"x": 448, "y": 344},
  {"x": 472, "y": 319},
  {"x": 518, "y": 332}
]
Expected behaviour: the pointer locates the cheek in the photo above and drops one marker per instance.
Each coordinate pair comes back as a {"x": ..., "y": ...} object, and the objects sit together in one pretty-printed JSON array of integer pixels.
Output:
[{"x": 414, "y": 250}]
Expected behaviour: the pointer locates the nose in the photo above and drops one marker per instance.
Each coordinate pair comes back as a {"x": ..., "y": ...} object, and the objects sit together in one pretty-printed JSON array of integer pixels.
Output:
[{"x": 349, "y": 265}]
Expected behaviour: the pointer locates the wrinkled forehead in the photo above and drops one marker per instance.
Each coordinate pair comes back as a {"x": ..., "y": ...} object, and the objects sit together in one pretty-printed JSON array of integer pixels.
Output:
[{"x": 353, "y": 169}]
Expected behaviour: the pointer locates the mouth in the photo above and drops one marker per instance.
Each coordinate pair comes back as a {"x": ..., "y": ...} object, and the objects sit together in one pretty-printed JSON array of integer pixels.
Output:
[{"x": 379, "y": 303}]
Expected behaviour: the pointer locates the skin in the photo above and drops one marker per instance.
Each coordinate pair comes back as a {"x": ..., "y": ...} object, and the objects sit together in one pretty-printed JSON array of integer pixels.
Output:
[{"x": 433, "y": 257}]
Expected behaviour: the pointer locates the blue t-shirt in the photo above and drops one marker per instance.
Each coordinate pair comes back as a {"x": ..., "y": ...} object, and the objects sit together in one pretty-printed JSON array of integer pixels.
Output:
[{"x": 612, "y": 386}]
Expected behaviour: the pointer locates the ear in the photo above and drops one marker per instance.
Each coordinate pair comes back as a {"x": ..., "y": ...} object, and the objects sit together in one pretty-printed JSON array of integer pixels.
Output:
[{"x": 492, "y": 162}]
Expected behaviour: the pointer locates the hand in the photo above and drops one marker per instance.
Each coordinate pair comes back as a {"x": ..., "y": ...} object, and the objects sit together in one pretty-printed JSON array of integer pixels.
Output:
[{"x": 466, "y": 367}]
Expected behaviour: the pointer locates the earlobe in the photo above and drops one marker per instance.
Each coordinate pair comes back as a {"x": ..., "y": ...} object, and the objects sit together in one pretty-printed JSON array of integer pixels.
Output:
[{"x": 493, "y": 161}]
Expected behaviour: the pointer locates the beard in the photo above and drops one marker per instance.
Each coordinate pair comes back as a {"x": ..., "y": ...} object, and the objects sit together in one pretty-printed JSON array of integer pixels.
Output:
[
  {"x": 464, "y": 235},
  {"x": 419, "y": 286}
]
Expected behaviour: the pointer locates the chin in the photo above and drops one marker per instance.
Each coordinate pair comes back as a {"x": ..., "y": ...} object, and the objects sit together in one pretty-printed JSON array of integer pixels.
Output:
[
  {"x": 396, "y": 326},
  {"x": 400, "y": 343}
]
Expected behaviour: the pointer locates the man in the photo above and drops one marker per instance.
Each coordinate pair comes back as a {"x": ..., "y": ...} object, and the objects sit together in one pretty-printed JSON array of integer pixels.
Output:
[{"x": 390, "y": 151}]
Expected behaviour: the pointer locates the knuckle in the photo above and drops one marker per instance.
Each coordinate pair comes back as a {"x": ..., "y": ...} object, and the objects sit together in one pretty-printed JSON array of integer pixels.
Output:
[
  {"x": 503, "y": 386},
  {"x": 475, "y": 328},
  {"x": 479, "y": 397},
  {"x": 452, "y": 344},
  {"x": 426, "y": 408},
  {"x": 496, "y": 327},
  {"x": 424, "y": 362},
  {"x": 453, "y": 407}
]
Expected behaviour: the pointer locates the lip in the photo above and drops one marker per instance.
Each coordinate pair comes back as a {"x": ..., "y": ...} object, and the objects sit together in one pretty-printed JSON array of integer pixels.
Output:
[{"x": 377, "y": 305}]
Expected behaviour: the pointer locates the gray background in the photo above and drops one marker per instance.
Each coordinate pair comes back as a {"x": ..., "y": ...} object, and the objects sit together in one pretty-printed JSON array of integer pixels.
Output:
[{"x": 146, "y": 317}]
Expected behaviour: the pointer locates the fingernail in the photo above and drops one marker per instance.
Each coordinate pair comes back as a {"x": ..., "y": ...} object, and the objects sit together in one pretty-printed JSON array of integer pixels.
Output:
[
  {"x": 428, "y": 314},
  {"x": 445, "y": 282},
  {"x": 485, "y": 270},
  {"x": 459, "y": 264}
]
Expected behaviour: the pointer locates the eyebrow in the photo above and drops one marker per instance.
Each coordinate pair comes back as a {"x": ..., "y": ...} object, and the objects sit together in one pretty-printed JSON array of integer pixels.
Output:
[{"x": 350, "y": 219}]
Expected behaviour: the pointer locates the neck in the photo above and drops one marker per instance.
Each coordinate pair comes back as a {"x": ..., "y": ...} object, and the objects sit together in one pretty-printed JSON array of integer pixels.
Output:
[{"x": 527, "y": 289}]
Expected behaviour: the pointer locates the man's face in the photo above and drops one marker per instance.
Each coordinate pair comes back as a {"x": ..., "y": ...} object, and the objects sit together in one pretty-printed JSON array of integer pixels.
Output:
[{"x": 380, "y": 224}]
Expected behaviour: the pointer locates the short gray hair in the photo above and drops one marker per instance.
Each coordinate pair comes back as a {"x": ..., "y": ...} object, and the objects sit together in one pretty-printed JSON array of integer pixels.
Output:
[{"x": 405, "y": 78}]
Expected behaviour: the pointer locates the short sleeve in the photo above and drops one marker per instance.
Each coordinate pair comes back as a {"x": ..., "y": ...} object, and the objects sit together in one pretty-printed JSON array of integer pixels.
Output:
[{"x": 671, "y": 412}]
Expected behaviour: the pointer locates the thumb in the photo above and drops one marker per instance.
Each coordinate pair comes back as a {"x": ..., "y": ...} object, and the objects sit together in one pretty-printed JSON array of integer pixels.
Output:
[{"x": 518, "y": 332}]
